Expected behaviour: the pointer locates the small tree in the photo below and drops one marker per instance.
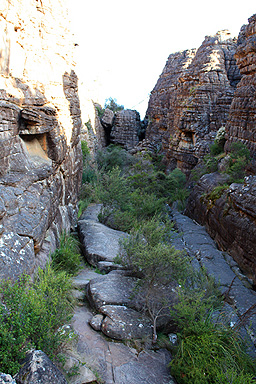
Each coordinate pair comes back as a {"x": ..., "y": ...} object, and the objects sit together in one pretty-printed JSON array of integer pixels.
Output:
[
  {"x": 149, "y": 253},
  {"x": 111, "y": 103}
]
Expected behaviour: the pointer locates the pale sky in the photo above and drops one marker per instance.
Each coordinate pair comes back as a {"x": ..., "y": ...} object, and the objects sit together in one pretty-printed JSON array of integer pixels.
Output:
[{"x": 124, "y": 45}]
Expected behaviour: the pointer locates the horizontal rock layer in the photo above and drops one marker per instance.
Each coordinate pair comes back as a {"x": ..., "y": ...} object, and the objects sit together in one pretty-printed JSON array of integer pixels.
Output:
[
  {"x": 40, "y": 122},
  {"x": 191, "y": 100},
  {"x": 242, "y": 115}
]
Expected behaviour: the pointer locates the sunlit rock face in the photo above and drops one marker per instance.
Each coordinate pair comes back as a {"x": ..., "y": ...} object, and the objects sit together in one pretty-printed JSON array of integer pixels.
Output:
[
  {"x": 241, "y": 123},
  {"x": 231, "y": 219},
  {"x": 40, "y": 123},
  {"x": 191, "y": 100}
]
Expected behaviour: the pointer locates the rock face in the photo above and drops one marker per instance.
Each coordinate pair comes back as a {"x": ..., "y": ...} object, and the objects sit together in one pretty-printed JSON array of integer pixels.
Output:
[
  {"x": 241, "y": 122},
  {"x": 40, "y": 122},
  {"x": 126, "y": 127},
  {"x": 230, "y": 219},
  {"x": 191, "y": 100}
]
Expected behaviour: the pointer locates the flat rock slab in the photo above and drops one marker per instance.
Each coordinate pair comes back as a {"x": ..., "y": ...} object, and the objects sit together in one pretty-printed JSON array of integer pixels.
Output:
[
  {"x": 124, "y": 323},
  {"x": 221, "y": 266},
  {"x": 147, "y": 367},
  {"x": 84, "y": 276},
  {"x": 114, "y": 362},
  {"x": 100, "y": 243},
  {"x": 111, "y": 289}
]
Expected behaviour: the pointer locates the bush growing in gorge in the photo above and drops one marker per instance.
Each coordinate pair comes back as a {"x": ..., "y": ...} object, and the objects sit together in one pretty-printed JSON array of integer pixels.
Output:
[{"x": 32, "y": 314}]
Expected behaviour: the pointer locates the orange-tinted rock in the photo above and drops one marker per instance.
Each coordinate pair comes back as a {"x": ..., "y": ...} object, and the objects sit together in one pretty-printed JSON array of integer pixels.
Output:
[
  {"x": 241, "y": 123},
  {"x": 191, "y": 100}
]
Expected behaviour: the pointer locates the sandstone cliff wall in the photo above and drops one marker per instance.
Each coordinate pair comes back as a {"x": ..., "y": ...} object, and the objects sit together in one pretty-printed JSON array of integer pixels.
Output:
[
  {"x": 231, "y": 218},
  {"x": 40, "y": 123},
  {"x": 241, "y": 122},
  {"x": 191, "y": 100}
]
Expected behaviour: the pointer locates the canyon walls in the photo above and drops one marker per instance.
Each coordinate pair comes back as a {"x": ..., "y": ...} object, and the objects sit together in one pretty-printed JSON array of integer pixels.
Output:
[
  {"x": 199, "y": 91},
  {"x": 40, "y": 124},
  {"x": 242, "y": 116},
  {"x": 230, "y": 218},
  {"x": 191, "y": 100}
]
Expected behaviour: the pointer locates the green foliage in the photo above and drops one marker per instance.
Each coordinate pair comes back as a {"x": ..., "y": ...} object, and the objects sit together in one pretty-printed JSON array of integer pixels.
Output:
[
  {"x": 32, "y": 314},
  {"x": 111, "y": 103},
  {"x": 208, "y": 351},
  {"x": 123, "y": 205},
  {"x": 85, "y": 150},
  {"x": 216, "y": 149},
  {"x": 88, "y": 124},
  {"x": 214, "y": 195},
  {"x": 239, "y": 159},
  {"x": 113, "y": 156},
  {"x": 67, "y": 256},
  {"x": 239, "y": 150},
  {"x": 148, "y": 251}
]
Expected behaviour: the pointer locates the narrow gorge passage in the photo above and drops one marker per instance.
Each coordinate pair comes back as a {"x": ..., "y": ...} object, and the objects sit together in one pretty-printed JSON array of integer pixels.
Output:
[{"x": 103, "y": 332}]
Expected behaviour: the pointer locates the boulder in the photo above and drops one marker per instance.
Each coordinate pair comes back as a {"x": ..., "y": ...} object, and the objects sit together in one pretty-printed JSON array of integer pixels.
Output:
[
  {"x": 124, "y": 323},
  {"x": 111, "y": 289},
  {"x": 38, "y": 368},
  {"x": 96, "y": 322},
  {"x": 107, "y": 119},
  {"x": 100, "y": 243}
]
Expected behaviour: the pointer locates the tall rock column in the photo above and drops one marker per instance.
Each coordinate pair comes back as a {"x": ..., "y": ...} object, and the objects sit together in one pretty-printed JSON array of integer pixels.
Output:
[
  {"x": 191, "y": 100},
  {"x": 241, "y": 123},
  {"x": 40, "y": 123}
]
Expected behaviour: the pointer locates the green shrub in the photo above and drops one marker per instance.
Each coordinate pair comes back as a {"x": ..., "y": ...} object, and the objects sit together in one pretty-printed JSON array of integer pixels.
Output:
[
  {"x": 149, "y": 253},
  {"x": 216, "y": 149},
  {"x": 111, "y": 103},
  {"x": 239, "y": 159},
  {"x": 67, "y": 256},
  {"x": 113, "y": 156},
  {"x": 32, "y": 314},
  {"x": 208, "y": 351},
  {"x": 239, "y": 150},
  {"x": 85, "y": 150}
]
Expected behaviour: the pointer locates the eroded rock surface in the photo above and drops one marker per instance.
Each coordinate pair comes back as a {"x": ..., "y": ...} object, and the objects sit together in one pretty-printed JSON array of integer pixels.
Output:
[
  {"x": 6, "y": 379},
  {"x": 126, "y": 127},
  {"x": 191, "y": 100},
  {"x": 38, "y": 368},
  {"x": 240, "y": 296},
  {"x": 114, "y": 362},
  {"x": 111, "y": 289},
  {"x": 100, "y": 243},
  {"x": 123, "y": 323},
  {"x": 230, "y": 219},
  {"x": 241, "y": 121},
  {"x": 40, "y": 122}
]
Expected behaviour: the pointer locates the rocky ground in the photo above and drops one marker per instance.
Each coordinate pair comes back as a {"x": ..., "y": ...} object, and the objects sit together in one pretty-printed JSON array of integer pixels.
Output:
[{"x": 106, "y": 319}]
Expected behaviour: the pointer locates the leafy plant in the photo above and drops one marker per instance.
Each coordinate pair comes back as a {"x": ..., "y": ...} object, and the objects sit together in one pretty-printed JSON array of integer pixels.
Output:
[
  {"x": 149, "y": 254},
  {"x": 208, "y": 351},
  {"x": 111, "y": 103},
  {"x": 32, "y": 314},
  {"x": 113, "y": 156},
  {"x": 67, "y": 256}
]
